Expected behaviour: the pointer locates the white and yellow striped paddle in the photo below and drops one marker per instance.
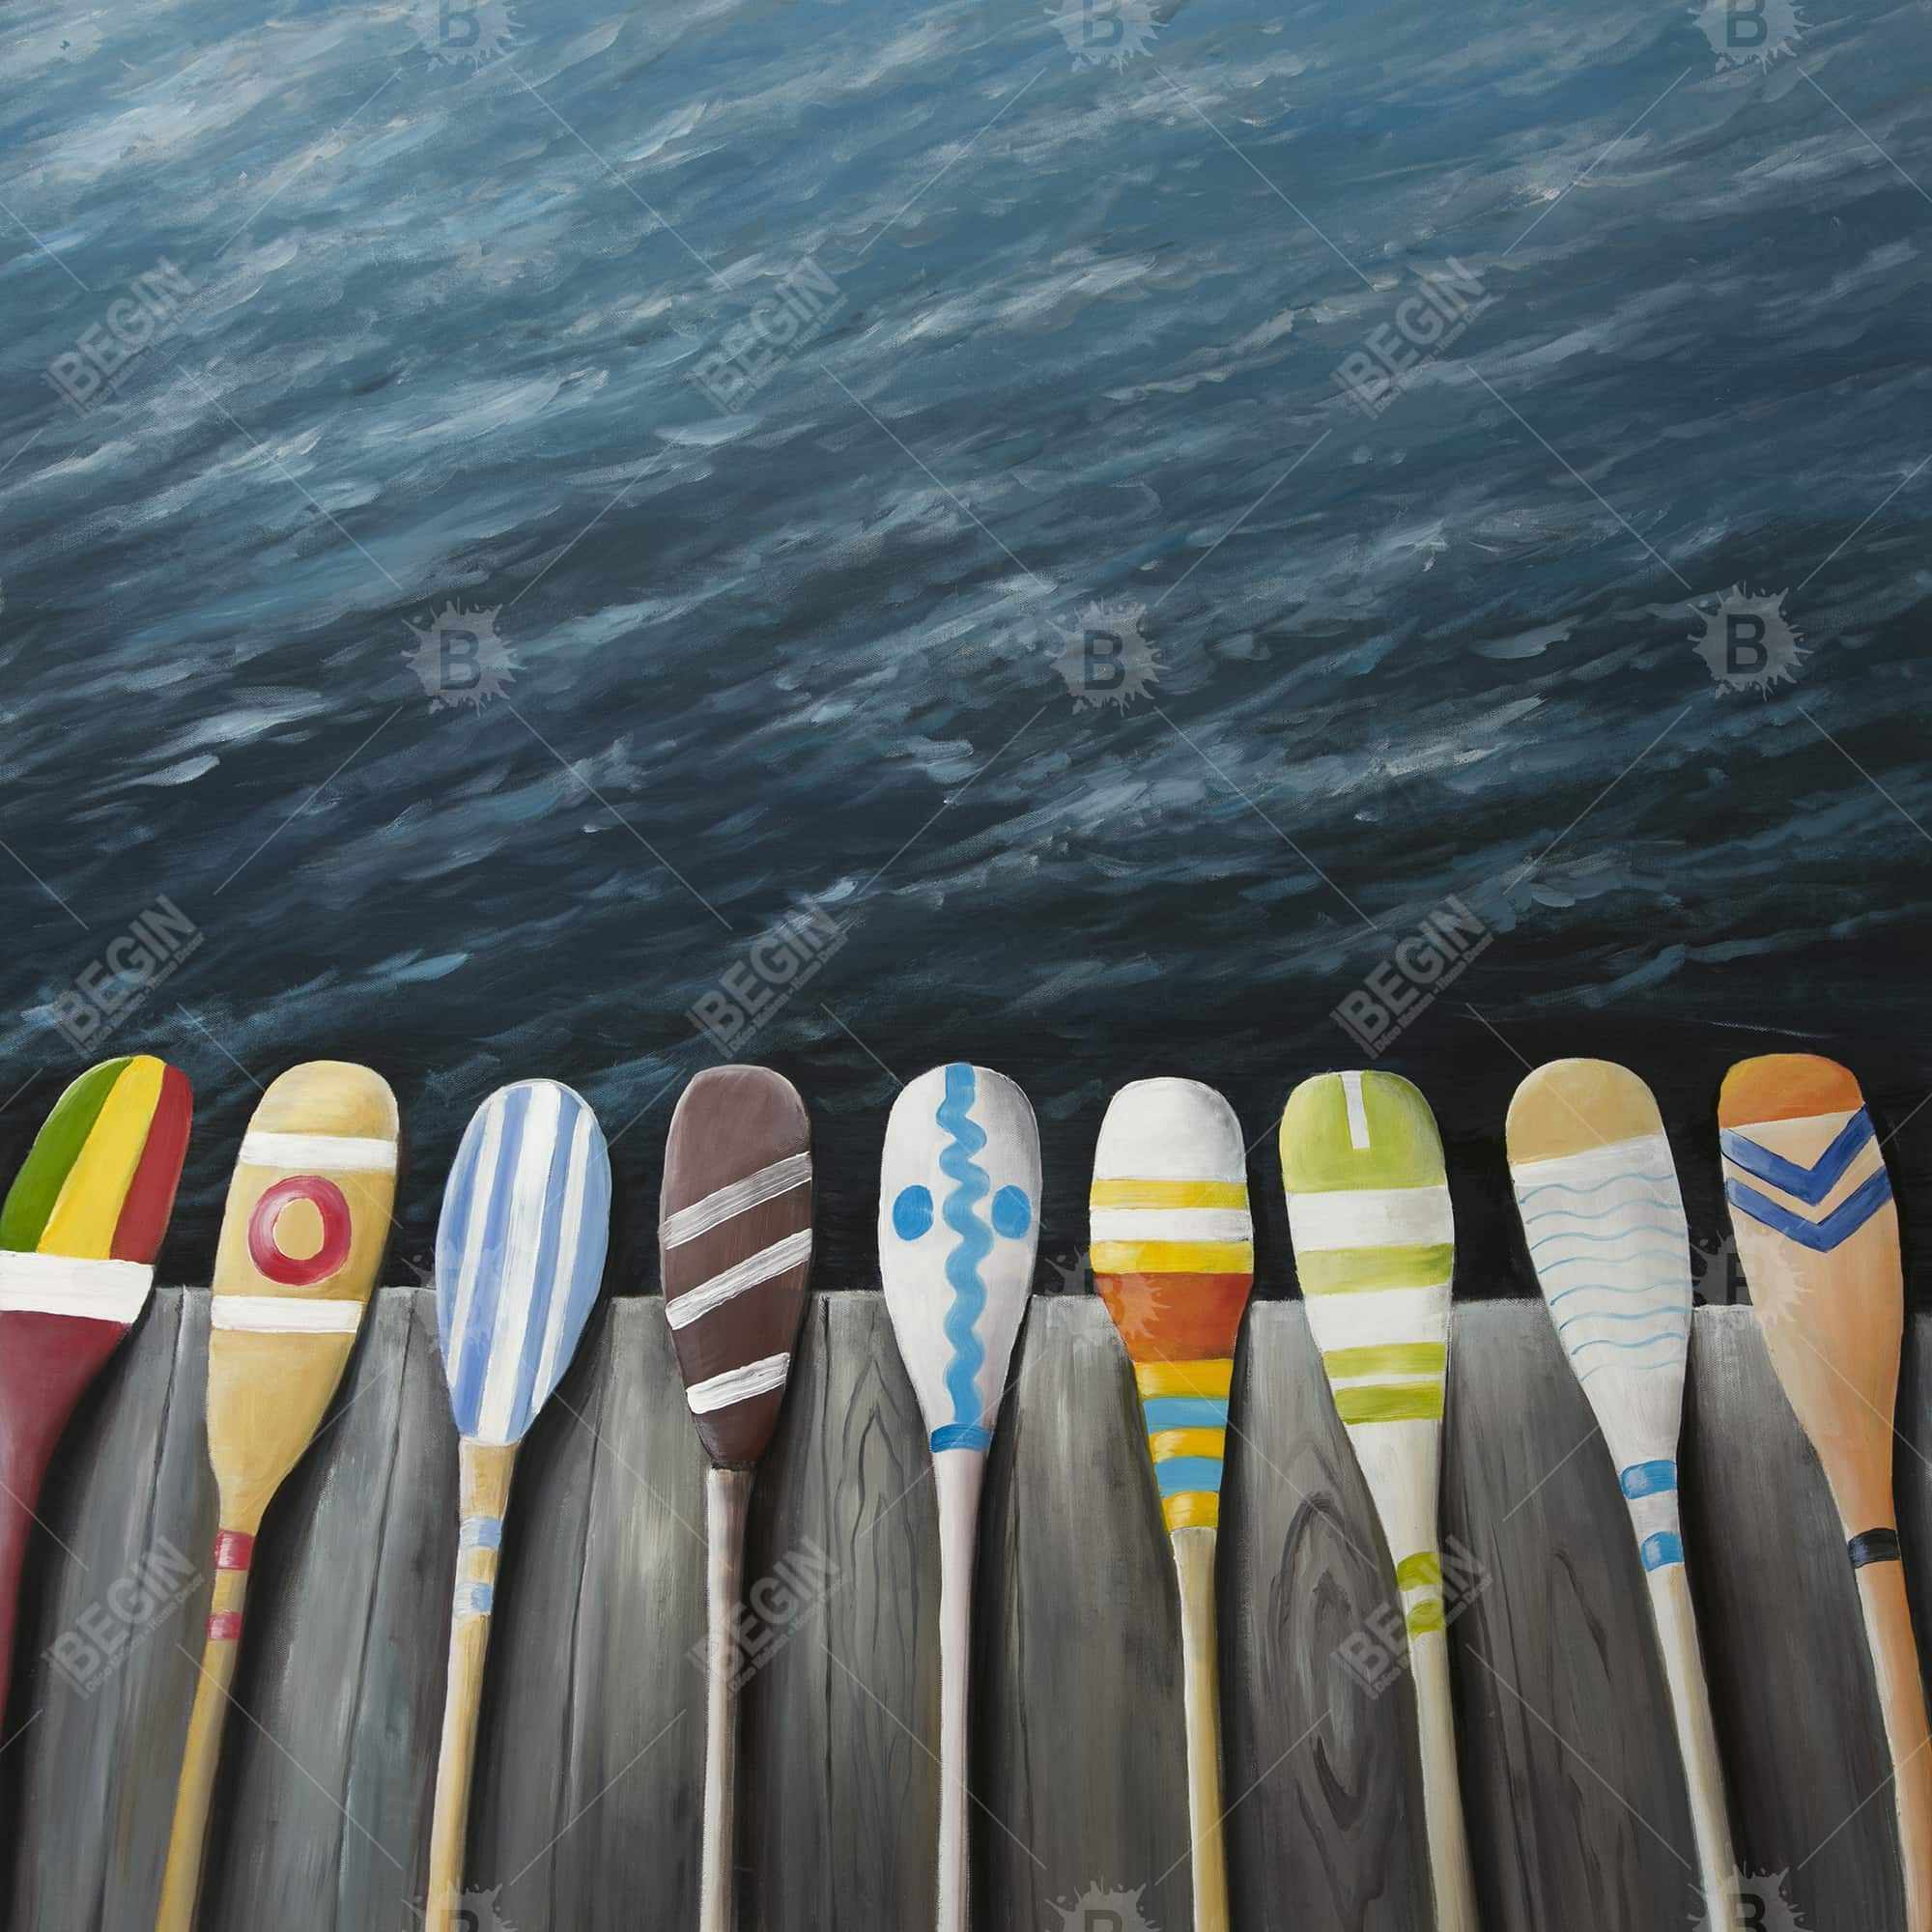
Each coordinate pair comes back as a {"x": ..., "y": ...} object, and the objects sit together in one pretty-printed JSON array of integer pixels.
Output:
[
  {"x": 1368, "y": 1208},
  {"x": 1173, "y": 1259}
]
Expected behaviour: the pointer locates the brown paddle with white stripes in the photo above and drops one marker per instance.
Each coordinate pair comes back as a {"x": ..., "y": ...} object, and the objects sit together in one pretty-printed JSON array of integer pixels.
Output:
[{"x": 734, "y": 1241}]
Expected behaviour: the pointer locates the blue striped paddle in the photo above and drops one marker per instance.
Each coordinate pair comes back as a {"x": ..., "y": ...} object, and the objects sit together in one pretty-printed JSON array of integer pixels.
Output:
[{"x": 519, "y": 1258}]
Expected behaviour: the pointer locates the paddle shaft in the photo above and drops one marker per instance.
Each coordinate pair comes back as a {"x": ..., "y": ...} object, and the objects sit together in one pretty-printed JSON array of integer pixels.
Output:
[
  {"x": 187, "y": 1841},
  {"x": 1449, "y": 1871},
  {"x": 956, "y": 1475},
  {"x": 23, "y": 1462},
  {"x": 1901, "y": 1699},
  {"x": 1200, "y": 1701},
  {"x": 727, "y": 1495},
  {"x": 1696, "y": 1741},
  {"x": 483, "y": 1477}
]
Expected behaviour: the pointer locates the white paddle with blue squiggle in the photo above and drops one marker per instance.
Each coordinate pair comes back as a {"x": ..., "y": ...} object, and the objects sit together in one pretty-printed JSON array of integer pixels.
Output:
[
  {"x": 519, "y": 1258},
  {"x": 1596, "y": 1189},
  {"x": 958, "y": 1223}
]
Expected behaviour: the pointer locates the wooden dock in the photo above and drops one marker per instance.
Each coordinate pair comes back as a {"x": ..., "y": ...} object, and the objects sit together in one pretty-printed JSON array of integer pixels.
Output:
[{"x": 587, "y": 1798}]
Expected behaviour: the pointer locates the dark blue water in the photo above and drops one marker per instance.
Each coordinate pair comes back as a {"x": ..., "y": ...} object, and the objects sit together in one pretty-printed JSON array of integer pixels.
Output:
[{"x": 759, "y": 408}]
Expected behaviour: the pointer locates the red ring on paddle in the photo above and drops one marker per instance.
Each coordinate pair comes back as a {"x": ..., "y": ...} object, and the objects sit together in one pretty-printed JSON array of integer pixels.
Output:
[{"x": 266, "y": 1251}]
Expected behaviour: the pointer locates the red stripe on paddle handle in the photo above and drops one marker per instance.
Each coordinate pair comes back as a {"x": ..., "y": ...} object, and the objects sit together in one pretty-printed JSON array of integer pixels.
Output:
[
  {"x": 234, "y": 1550},
  {"x": 151, "y": 1195},
  {"x": 225, "y": 1627}
]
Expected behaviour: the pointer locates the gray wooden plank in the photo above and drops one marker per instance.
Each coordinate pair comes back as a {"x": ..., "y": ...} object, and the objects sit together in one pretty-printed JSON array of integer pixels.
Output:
[
  {"x": 279, "y": 1852},
  {"x": 839, "y": 1794},
  {"x": 126, "y": 1476},
  {"x": 1321, "y": 1761},
  {"x": 1571, "y": 1777},
  {"x": 1079, "y": 1761}
]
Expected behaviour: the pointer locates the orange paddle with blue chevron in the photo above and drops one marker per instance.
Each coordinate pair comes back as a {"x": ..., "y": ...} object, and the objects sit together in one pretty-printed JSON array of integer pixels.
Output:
[
  {"x": 79, "y": 1234},
  {"x": 1818, "y": 1235},
  {"x": 1173, "y": 1259}
]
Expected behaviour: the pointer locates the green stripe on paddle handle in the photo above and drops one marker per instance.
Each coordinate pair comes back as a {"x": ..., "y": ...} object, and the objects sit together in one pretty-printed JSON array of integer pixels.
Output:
[{"x": 56, "y": 1148}]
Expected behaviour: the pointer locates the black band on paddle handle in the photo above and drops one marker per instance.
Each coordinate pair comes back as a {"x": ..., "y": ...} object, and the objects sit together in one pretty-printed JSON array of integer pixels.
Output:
[{"x": 1873, "y": 1546}]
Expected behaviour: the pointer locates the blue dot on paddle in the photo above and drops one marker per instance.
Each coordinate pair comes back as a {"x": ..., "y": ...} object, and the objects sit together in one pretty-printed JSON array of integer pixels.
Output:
[
  {"x": 1012, "y": 1212},
  {"x": 912, "y": 1212}
]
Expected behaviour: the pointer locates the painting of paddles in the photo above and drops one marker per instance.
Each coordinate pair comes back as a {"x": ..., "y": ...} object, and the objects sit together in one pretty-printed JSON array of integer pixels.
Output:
[
  {"x": 1374, "y": 1248},
  {"x": 734, "y": 1243},
  {"x": 1817, "y": 1232},
  {"x": 302, "y": 1240},
  {"x": 1603, "y": 1219},
  {"x": 1173, "y": 1252},
  {"x": 958, "y": 1225}
]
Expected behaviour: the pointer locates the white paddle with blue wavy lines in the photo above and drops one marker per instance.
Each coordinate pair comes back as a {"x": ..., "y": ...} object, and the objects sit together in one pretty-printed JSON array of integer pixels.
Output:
[
  {"x": 1597, "y": 1191},
  {"x": 519, "y": 1258},
  {"x": 958, "y": 1223}
]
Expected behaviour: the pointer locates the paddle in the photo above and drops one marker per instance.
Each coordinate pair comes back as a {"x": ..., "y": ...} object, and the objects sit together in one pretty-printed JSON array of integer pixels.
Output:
[
  {"x": 1817, "y": 1232},
  {"x": 519, "y": 1258},
  {"x": 1597, "y": 1191},
  {"x": 1367, "y": 1209},
  {"x": 78, "y": 1239},
  {"x": 958, "y": 1221},
  {"x": 1174, "y": 1258},
  {"x": 734, "y": 1235},
  {"x": 302, "y": 1238}
]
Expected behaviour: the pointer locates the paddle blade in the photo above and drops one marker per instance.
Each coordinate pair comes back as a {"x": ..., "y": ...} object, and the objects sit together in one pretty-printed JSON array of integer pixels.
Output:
[
  {"x": 958, "y": 1223},
  {"x": 1173, "y": 1259},
  {"x": 302, "y": 1238},
  {"x": 1603, "y": 1219},
  {"x": 1817, "y": 1232},
  {"x": 519, "y": 1254},
  {"x": 87, "y": 1211},
  {"x": 1367, "y": 1209},
  {"x": 734, "y": 1249}
]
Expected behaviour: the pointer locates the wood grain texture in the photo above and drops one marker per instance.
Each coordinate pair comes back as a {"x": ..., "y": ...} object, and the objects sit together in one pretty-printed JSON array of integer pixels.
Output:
[{"x": 582, "y": 1820}]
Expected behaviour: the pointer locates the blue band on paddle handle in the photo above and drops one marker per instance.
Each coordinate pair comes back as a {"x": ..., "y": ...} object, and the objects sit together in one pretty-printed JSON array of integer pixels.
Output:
[
  {"x": 1185, "y": 1412},
  {"x": 1648, "y": 1479},
  {"x": 961, "y": 1436},
  {"x": 1660, "y": 1549},
  {"x": 1873, "y": 1546},
  {"x": 480, "y": 1532},
  {"x": 473, "y": 1600}
]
